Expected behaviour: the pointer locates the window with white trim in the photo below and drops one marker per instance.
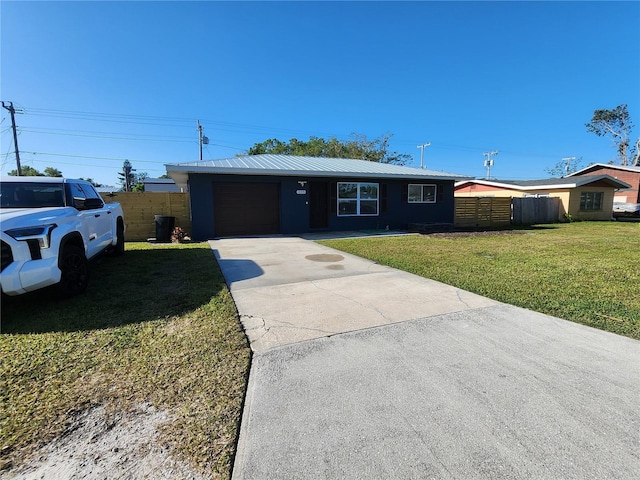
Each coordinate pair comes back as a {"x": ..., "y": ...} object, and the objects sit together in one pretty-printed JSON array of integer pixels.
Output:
[
  {"x": 357, "y": 199},
  {"x": 421, "y": 193},
  {"x": 590, "y": 201}
]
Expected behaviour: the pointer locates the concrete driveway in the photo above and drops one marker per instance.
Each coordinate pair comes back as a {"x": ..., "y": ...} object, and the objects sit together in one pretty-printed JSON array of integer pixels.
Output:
[{"x": 363, "y": 371}]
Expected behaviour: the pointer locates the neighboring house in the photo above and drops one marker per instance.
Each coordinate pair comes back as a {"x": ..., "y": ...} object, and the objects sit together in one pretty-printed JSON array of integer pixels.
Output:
[
  {"x": 160, "y": 185},
  {"x": 630, "y": 175},
  {"x": 584, "y": 197},
  {"x": 283, "y": 194}
]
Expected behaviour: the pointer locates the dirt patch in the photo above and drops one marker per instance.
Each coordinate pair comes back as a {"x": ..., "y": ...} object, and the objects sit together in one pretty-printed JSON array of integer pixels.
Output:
[{"x": 97, "y": 446}]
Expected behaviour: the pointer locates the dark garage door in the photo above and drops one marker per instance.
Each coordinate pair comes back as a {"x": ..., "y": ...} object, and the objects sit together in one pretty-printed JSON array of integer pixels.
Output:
[{"x": 246, "y": 208}]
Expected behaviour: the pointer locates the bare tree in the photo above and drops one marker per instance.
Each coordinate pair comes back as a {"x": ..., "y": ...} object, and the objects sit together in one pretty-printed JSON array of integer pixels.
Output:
[{"x": 615, "y": 124}]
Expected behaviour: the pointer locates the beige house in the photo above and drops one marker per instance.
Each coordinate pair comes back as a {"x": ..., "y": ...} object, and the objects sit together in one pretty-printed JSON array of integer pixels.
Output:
[
  {"x": 583, "y": 197},
  {"x": 627, "y": 174}
]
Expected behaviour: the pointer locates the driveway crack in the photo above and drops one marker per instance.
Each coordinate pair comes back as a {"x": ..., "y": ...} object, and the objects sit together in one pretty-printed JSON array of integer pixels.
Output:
[
  {"x": 461, "y": 299},
  {"x": 370, "y": 307}
]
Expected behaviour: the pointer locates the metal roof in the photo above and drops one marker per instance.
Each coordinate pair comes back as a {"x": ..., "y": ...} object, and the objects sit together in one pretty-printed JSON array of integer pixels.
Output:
[{"x": 290, "y": 165}]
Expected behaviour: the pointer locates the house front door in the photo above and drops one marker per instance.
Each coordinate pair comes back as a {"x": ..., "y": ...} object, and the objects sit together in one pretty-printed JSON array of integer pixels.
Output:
[{"x": 318, "y": 204}]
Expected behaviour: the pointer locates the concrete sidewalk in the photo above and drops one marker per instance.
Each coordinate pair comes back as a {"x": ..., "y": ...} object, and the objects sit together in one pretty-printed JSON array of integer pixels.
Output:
[{"x": 363, "y": 371}]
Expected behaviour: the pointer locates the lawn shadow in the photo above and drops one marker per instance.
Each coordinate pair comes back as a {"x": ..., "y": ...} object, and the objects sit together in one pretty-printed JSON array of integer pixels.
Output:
[
  {"x": 140, "y": 286},
  {"x": 545, "y": 226}
]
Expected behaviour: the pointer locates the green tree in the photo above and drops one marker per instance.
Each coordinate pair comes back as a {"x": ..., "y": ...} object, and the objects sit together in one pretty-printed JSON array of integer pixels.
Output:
[
  {"x": 615, "y": 124},
  {"x": 52, "y": 172},
  {"x": 358, "y": 147},
  {"x": 127, "y": 177},
  {"x": 28, "y": 171},
  {"x": 92, "y": 182},
  {"x": 139, "y": 180}
]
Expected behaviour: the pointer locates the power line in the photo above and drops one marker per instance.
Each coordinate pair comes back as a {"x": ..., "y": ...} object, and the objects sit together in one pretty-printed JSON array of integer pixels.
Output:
[
  {"x": 91, "y": 157},
  {"x": 45, "y": 162},
  {"x": 107, "y": 115},
  {"x": 159, "y": 168},
  {"x": 174, "y": 122},
  {"x": 94, "y": 132},
  {"x": 182, "y": 122},
  {"x": 6, "y": 156},
  {"x": 143, "y": 139},
  {"x": 162, "y": 121}
]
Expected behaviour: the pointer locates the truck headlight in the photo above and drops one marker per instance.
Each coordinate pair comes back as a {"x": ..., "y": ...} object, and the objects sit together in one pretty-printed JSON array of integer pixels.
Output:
[{"x": 40, "y": 233}]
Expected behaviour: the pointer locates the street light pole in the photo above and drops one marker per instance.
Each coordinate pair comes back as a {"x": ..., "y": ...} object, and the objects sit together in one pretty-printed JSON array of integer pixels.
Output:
[
  {"x": 489, "y": 162},
  {"x": 568, "y": 164},
  {"x": 421, "y": 147}
]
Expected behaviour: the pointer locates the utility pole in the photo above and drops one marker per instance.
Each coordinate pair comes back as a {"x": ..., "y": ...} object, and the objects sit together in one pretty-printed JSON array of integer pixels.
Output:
[
  {"x": 12, "y": 111},
  {"x": 202, "y": 139},
  {"x": 568, "y": 165},
  {"x": 489, "y": 162},
  {"x": 421, "y": 147}
]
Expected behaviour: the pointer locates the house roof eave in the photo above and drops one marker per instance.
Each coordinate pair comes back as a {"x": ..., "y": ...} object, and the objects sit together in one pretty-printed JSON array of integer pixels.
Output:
[
  {"x": 626, "y": 168},
  {"x": 572, "y": 183},
  {"x": 180, "y": 173}
]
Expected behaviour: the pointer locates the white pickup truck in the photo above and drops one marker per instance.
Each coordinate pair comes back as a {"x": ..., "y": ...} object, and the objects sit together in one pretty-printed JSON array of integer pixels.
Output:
[{"x": 50, "y": 228}]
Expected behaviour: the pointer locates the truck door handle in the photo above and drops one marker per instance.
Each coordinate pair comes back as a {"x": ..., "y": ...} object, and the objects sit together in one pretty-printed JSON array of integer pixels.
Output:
[{"x": 97, "y": 215}]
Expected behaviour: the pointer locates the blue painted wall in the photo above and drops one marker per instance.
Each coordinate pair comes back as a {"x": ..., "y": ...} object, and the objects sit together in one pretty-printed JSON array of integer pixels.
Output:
[{"x": 294, "y": 208}]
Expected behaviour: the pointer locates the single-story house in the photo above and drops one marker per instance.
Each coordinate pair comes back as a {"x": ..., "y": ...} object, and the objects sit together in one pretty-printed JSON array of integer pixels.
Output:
[
  {"x": 627, "y": 174},
  {"x": 284, "y": 194},
  {"x": 161, "y": 185},
  {"x": 584, "y": 197}
]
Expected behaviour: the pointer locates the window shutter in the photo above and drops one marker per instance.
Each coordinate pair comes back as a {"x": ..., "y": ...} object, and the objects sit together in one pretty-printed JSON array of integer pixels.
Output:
[
  {"x": 383, "y": 198},
  {"x": 439, "y": 193},
  {"x": 405, "y": 193}
]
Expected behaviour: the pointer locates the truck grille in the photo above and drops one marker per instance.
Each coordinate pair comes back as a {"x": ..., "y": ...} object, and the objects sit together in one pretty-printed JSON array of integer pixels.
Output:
[{"x": 7, "y": 255}]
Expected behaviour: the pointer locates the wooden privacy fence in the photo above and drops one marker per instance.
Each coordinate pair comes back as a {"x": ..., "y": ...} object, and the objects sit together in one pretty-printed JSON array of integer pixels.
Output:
[
  {"x": 482, "y": 212},
  {"x": 532, "y": 210},
  {"x": 140, "y": 209}
]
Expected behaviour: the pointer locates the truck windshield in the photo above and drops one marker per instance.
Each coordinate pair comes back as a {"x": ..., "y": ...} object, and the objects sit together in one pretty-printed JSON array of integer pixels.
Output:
[{"x": 31, "y": 195}]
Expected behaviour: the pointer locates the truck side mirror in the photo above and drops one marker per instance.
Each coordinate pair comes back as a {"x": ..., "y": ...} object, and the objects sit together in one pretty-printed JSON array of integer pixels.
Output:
[{"x": 91, "y": 203}]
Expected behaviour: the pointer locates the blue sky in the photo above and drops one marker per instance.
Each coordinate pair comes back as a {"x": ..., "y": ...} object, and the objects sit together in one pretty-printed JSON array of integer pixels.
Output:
[{"x": 100, "y": 82}]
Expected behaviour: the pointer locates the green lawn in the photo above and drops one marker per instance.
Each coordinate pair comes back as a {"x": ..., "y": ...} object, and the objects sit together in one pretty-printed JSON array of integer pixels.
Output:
[
  {"x": 156, "y": 325},
  {"x": 587, "y": 272}
]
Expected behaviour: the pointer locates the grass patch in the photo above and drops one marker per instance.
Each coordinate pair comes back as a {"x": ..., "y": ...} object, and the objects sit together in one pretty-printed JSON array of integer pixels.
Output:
[
  {"x": 156, "y": 325},
  {"x": 587, "y": 272}
]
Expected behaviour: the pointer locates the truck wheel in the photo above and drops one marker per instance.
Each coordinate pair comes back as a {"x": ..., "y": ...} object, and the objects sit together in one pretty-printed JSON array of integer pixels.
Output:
[
  {"x": 75, "y": 271},
  {"x": 118, "y": 248}
]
